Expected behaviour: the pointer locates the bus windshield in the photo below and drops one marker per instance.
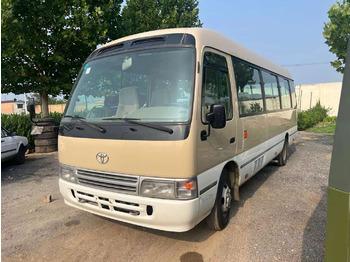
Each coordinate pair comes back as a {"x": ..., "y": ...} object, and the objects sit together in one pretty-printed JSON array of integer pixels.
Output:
[{"x": 153, "y": 85}]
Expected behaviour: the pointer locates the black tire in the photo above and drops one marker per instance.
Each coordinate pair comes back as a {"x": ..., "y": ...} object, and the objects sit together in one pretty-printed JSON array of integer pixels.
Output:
[
  {"x": 219, "y": 217},
  {"x": 46, "y": 136},
  {"x": 45, "y": 142},
  {"x": 44, "y": 121},
  {"x": 20, "y": 157},
  {"x": 45, "y": 149},
  {"x": 283, "y": 156}
]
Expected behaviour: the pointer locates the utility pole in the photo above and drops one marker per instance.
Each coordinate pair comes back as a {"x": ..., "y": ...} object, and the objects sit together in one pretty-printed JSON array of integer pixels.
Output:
[{"x": 338, "y": 214}]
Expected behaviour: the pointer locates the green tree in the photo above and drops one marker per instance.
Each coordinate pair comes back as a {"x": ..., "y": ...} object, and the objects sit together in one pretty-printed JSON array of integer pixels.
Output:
[
  {"x": 45, "y": 42},
  {"x": 337, "y": 31},
  {"x": 145, "y": 15}
]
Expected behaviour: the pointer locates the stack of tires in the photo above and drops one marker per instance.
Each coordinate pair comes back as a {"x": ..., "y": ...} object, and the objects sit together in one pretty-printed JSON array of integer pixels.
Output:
[{"x": 45, "y": 142}]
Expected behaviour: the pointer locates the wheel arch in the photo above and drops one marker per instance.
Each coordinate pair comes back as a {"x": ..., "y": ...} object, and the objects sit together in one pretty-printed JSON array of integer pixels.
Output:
[{"x": 233, "y": 169}]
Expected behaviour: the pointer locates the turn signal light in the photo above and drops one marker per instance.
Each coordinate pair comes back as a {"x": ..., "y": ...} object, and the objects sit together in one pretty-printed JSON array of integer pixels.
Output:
[{"x": 189, "y": 185}]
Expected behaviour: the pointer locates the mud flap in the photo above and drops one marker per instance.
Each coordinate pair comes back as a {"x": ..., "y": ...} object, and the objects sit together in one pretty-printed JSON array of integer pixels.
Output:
[{"x": 236, "y": 192}]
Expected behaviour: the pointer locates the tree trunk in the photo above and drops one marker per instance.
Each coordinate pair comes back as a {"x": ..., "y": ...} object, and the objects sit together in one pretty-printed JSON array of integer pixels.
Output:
[{"x": 44, "y": 104}]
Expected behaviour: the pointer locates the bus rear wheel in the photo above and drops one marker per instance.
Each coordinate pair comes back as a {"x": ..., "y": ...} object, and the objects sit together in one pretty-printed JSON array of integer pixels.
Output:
[
  {"x": 220, "y": 215},
  {"x": 282, "y": 157}
]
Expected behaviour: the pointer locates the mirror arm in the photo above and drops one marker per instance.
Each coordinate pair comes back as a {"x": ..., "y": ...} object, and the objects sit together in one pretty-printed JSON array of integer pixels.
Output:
[{"x": 204, "y": 134}]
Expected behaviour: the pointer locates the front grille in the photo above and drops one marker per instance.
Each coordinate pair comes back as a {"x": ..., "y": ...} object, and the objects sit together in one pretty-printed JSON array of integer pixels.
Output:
[
  {"x": 112, "y": 205},
  {"x": 108, "y": 181}
]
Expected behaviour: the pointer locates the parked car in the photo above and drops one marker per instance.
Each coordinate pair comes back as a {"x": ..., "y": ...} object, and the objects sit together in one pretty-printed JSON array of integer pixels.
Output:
[{"x": 13, "y": 147}]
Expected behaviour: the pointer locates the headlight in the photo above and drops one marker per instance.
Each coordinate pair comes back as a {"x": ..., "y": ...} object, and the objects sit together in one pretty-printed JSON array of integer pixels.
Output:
[
  {"x": 172, "y": 189},
  {"x": 158, "y": 189},
  {"x": 67, "y": 173}
]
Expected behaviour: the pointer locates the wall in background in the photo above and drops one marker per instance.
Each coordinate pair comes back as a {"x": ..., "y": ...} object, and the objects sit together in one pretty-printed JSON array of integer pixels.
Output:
[{"x": 327, "y": 93}]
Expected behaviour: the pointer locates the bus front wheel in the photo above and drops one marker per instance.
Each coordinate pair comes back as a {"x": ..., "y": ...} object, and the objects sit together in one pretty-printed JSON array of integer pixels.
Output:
[
  {"x": 282, "y": 157},
  {"x": 220, "y": 215}
]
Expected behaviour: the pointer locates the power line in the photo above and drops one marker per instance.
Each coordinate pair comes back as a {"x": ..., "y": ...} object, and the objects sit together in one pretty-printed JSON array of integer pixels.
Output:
[{"x": 307, "y": 64}]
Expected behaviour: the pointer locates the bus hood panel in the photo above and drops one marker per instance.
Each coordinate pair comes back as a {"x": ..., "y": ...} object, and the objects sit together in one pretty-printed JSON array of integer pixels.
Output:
[{"x": 168, "y": 159}]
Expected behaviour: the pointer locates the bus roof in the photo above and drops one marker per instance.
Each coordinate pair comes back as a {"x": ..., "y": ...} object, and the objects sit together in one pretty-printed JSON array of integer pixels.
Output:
[{"x": 206, "y": 37}]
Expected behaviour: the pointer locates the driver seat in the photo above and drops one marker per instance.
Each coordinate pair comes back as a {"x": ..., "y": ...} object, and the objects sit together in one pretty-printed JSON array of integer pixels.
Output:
[{"x": 128, "y": 101}]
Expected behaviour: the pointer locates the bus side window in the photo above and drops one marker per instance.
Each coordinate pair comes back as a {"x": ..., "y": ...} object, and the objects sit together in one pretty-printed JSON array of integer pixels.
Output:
[
  {"x": 249, "y": 91},
  {"x": 285, "y": 93},
  {"x": 216, "y": 84},
  {"x": 272, "y": 96},
  {"x": 292, "y": 91}
]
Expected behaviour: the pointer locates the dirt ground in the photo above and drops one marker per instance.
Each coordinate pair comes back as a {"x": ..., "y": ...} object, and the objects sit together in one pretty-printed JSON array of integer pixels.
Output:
[{"x": 281, "y": 217}]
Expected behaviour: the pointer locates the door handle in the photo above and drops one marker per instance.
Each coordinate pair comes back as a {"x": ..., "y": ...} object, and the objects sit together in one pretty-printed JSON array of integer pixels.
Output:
[
  {"x": 2, "y": 140},
  {"x": 232, "y": 140}
]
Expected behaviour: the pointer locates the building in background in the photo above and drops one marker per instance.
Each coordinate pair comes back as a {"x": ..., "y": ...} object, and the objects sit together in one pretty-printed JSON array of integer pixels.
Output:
[
  {"x": 13, "y": 107},
  {"x": 327, "y": 93},
  {"x": 58, "y": 108}
]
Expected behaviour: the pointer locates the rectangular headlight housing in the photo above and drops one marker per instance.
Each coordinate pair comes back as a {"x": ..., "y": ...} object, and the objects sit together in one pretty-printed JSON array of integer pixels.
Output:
[
  {"x": 158, "y": 189},
  {"x": 169, "y": 189},
  {"x": 67, "y": 173}
]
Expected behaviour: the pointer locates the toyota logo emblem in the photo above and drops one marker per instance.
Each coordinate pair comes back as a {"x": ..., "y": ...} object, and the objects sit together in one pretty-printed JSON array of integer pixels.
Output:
[{"x": 102, "y": 158}]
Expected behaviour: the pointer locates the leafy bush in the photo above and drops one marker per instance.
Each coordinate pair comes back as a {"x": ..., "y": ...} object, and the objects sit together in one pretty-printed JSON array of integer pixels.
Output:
[
  {"x": 22, "y": 125},
  {"x": 330, "y": 119},
  {"x": 57, "y": 116},
  {"x": 311, "y": 117}
]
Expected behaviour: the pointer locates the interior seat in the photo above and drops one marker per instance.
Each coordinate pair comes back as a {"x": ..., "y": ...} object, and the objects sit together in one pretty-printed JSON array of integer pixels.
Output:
[{"x": 128, "y": 101}]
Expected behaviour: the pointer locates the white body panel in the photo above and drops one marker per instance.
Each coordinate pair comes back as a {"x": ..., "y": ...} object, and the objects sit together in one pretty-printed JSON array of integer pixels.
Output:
[{"x": 168, "y": 215}]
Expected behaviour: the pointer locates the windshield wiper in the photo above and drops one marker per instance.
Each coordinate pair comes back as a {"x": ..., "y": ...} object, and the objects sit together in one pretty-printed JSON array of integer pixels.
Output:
[
  {"x": 134, "y": 121},
  {"x": 82, "y": 120}
]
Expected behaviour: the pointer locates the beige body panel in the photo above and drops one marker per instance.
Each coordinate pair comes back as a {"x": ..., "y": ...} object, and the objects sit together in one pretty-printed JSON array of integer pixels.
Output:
[
  {"x": 255, "y": 126},
  {"x": 280, "y": 121},
  {"x": 170, "y": 159},
  {"x": 217, "y": 148}
]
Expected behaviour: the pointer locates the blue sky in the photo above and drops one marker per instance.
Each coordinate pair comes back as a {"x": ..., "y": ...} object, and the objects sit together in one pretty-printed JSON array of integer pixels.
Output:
[{"x": 286, "y": 32}]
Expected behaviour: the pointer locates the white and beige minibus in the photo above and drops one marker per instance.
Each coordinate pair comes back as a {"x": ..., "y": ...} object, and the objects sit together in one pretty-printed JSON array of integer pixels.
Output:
[{"x": 163, "y": 127}]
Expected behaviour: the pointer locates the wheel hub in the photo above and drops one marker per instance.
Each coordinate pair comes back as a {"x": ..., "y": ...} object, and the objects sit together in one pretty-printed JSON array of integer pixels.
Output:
[{"x": 226, "y": 198}]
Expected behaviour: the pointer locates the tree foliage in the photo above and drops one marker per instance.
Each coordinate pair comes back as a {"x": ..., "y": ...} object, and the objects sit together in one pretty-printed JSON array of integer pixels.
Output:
[
  {"x": 337, "y": 31},
  {"x": 45, "y": 42},
  {"x": 145, "y": 15},
  {"x": 52, "y": 100}
]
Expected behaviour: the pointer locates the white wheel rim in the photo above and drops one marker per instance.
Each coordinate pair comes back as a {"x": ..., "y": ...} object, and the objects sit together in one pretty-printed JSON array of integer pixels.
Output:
[{"x": 226, "y": 198}]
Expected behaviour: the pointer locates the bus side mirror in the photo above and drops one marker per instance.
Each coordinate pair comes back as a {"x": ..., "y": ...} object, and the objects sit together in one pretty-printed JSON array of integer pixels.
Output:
[
  {"x": 31, "y": 108},
  {"x": 217, "y": 116}
]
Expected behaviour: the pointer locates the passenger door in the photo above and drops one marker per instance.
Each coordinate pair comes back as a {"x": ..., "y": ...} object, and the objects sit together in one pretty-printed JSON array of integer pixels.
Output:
[{"x": 216, "y": 89}]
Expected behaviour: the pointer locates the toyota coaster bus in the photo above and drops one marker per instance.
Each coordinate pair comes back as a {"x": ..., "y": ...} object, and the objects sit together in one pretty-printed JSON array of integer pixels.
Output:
[{"x": 163, "y": 127}]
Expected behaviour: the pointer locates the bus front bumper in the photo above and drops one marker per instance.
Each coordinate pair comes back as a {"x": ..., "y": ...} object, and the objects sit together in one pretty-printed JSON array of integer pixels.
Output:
[{"x": 162, "y": 214}]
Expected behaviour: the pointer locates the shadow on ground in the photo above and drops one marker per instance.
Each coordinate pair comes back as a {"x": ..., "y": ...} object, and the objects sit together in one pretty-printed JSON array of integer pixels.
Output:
[{"x": 314, "y": 237}]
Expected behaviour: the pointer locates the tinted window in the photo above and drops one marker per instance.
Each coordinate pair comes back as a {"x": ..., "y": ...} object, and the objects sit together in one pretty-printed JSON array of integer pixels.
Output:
[
  {"x": 292, "y": 90},
  {"x": 151, "y": 85},
  {"x": 212, "y": 59},
  {"x": 285, "y": 93},
  {"x": 271, "y": 91},
  {"x": 249, "y": 92},
  {"x": 216, "y": 84}
]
